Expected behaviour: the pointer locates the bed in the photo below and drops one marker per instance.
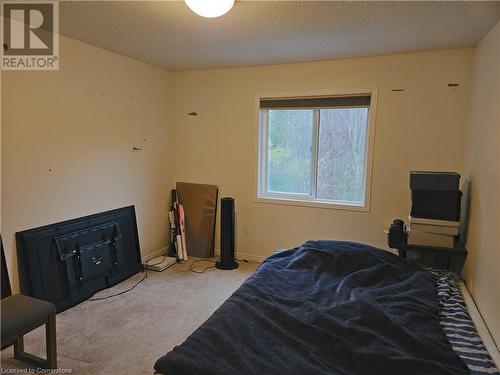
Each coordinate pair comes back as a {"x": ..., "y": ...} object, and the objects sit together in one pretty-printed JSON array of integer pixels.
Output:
[{"x": 333, "y": 307}]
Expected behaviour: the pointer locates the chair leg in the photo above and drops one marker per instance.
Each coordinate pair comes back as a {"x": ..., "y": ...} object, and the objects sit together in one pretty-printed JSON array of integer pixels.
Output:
[
  {"x": 51, "y": 343},
  {"x": 51, "y": 347},
  {"x": 18, "y": 346}
]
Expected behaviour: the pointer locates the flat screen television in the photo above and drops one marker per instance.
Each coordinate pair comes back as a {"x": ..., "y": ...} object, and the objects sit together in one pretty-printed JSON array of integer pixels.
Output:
[{"x": 67, "y": 262}]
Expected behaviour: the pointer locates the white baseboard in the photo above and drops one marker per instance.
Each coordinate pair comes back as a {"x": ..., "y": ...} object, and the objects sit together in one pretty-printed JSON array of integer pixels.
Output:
[
  {"x": 153, "y": 255},
  {"x": 481, "y": 327},
  {"x": 246, "y": 256}
]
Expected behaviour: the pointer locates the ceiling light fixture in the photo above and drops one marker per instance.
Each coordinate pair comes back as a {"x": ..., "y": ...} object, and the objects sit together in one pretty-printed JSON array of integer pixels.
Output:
[{"x": 210, "y": 8}]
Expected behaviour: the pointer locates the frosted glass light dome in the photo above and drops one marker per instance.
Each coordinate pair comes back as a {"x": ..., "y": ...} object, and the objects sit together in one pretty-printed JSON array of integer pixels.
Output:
[{"x": 210, "y": 8}]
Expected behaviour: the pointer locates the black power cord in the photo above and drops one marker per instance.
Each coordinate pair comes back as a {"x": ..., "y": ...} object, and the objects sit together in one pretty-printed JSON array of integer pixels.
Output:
[
  {"x": 145, "y": 267},
  {"x": 207, "y": 268},
  {"x": 201, "y": 260}
]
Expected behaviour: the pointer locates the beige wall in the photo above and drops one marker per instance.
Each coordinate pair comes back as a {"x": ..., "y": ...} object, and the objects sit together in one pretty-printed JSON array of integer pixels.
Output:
[
  {"x": 0, "y": 150},
  {"x": 420, "y": 128},
  {"x": 482, "y": 165},
  {"x": 67, "y": 139}
]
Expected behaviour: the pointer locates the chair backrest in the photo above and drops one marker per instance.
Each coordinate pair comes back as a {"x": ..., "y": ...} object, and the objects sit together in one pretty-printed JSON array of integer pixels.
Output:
[{"x": 6, "y": 289}]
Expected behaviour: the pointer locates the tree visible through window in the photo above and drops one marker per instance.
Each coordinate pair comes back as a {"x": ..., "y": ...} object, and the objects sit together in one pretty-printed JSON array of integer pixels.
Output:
[
  {"x": 290, "y": 143},
  {"x": 316, "y": 154},
  {"x": 342, "y": 154}
]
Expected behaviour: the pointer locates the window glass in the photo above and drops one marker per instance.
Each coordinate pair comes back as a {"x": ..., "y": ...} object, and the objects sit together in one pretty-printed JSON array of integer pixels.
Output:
[
  {"x": 342, "y": 154},
  {"x": 314, "y": 149},
  {"x": 289, "y": 154}
]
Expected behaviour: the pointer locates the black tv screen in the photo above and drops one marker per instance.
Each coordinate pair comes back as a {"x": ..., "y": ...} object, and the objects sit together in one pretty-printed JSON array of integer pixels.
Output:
[{"x": 67, "y": 262}]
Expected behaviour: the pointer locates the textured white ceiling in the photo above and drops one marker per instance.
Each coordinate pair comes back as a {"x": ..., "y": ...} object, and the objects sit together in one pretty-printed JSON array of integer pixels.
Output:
[{"x": 168, "y": 34}]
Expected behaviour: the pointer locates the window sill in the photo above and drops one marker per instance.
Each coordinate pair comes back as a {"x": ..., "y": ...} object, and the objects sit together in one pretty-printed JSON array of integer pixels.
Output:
[{"x": 313, "y": 204}]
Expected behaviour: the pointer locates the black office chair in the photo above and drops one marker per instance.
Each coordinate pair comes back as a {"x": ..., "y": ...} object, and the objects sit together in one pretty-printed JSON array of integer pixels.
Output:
[{"x": 22, "y": 314}]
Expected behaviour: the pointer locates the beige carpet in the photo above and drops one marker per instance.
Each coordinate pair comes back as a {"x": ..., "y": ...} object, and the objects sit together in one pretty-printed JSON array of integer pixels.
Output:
[{"x": 128, "y": 333}]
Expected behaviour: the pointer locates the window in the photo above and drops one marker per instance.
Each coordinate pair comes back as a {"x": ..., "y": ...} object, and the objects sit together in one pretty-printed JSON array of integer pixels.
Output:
[{"x": 315, "y": 149}]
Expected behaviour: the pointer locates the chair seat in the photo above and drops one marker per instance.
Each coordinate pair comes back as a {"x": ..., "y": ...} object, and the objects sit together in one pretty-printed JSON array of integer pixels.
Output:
[{"x": 21, "y": 314}]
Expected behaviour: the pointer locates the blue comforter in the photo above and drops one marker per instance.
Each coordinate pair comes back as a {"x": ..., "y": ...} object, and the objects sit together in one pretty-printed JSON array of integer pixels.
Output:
[{"x": 326, "y": 307}]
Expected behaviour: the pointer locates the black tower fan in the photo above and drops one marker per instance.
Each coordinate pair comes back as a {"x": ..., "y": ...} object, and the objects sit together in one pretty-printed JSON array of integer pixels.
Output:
[{"x": 227, "y": 219}]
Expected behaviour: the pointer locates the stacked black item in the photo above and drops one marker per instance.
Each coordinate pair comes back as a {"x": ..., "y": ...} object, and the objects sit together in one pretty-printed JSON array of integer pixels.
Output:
[
  {"x": 435, "y": 208},
  {"x": 435, "y": 195},
  {"x": 432, "y": 233}
]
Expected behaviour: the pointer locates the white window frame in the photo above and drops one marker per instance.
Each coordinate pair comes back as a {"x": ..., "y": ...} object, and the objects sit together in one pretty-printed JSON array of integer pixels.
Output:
[{"x": 309, "y": 200}]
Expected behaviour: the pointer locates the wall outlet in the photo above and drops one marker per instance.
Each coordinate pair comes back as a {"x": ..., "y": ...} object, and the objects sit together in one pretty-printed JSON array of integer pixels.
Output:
[{"x": 245, "y": 229}]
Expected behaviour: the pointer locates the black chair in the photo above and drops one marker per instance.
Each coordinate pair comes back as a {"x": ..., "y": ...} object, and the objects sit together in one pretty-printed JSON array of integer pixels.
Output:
[{"x": 22, "y": 314}]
